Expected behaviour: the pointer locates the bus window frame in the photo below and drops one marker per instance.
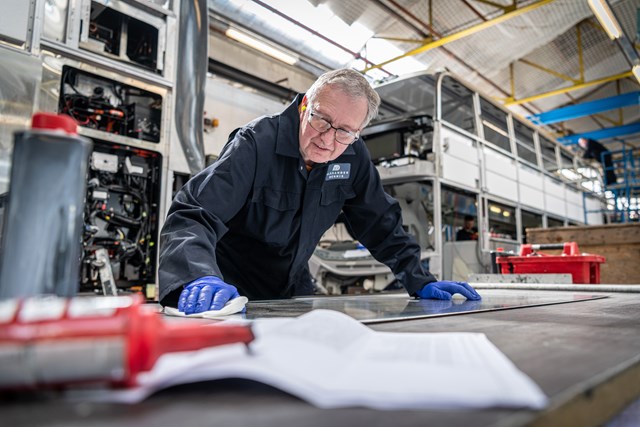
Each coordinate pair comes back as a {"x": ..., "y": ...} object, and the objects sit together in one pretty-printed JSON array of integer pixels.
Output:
[{"x": 520, "y": 143}]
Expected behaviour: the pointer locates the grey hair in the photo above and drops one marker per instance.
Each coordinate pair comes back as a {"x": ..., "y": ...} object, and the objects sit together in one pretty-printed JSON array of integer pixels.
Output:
[{"x": 353, "y": 84}]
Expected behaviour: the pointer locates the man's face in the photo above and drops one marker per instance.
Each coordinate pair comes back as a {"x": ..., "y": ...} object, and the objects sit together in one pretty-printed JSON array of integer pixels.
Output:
[{"x": 336, "y": 108}]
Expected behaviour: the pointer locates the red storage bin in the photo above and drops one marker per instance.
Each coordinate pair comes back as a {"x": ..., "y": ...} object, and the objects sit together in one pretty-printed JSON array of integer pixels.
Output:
[{"x": 584, "y": 268}]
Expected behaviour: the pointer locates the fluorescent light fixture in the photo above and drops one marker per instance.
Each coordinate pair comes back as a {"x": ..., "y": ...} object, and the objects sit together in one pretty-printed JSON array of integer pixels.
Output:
[
  {"x": 569, "y": 174},
  {"x": 608, "y": 21},
  {"x": 261, "y": 46},
  {"x": 636, "y": 71},
  {"x": 593, "y": 186},
  {"x": 588, "y": 172}
]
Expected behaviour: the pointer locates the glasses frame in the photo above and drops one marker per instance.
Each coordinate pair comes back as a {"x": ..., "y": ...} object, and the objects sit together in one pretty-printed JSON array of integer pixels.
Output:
[{"x": 313, "y": 114}]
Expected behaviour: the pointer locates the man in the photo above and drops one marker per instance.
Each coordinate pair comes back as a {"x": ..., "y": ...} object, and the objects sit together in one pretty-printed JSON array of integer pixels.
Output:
[
  {"x": 249, "y": 223},
  {"x": 468, "y": 231},
  {"x": 594, "y": 150}
]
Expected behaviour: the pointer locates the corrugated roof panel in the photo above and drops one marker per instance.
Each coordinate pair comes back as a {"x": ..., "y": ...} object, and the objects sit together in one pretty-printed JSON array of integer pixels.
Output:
[{"x": 545, "y": 36}]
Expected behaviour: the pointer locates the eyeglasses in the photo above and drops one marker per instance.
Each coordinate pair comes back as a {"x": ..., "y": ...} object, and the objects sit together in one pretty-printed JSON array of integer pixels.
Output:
[{"x": 322, "y": 125}]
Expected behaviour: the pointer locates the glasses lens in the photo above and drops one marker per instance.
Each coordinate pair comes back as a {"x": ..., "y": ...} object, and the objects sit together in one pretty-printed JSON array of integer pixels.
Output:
[
  {"x": 322, "y": 125},
  {"x": 344, "y": 137},
  {"x": 318, "y": 123}
]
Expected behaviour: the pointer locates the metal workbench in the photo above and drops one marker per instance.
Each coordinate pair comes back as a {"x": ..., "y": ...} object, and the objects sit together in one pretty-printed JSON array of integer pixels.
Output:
[{"x": 585, "y": 355}]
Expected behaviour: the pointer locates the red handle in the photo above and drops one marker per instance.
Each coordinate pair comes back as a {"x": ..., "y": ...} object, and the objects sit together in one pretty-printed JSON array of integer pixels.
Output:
[{"x": 568, "y": 248}]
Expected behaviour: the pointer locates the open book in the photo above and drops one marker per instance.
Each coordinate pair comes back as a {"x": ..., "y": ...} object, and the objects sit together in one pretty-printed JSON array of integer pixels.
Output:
[{"x": 331, "y": 360}]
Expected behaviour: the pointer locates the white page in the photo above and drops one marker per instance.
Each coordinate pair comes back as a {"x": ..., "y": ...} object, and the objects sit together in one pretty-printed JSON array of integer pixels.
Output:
[
  {"x": 381, "y": 370},
  {"x": 331, "y": 360}
]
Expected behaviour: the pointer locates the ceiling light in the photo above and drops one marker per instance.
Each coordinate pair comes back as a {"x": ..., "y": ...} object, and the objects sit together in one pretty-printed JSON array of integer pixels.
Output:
[
  {"x": 495, "y": 209},
  {"x": 636, "y": 72},
  {"x": 608, "y": 21},
  {"x": 261, "y": 46},
  {"x": 569, "y": 174}
]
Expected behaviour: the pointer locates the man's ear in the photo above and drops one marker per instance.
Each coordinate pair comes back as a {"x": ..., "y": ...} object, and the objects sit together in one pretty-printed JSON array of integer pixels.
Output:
[{"x": 303, "y": 106}]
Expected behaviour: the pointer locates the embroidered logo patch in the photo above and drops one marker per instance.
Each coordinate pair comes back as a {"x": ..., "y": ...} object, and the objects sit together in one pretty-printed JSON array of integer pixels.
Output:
[{"x": 338, "y": 171}]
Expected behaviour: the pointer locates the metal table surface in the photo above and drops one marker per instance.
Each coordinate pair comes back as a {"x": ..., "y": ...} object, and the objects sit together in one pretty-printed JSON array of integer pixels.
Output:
[
  {"x": 380, "y": 308},
  {"x": 585, "y": 356}
]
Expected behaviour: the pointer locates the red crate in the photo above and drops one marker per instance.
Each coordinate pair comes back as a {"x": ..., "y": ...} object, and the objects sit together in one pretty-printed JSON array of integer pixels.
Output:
[{"x": 584, "y": 268}]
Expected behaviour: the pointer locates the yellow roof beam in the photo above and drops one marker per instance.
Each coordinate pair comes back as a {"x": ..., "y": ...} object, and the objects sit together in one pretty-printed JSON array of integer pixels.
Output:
[
  {"x": 462, "y": 34},
  {"x": 512, "y": 81},
  {"x": 620, "y": 120},
  {"x": 620, "y": 113},
  {"x": 562, "y": 76},
  {"x": 507, "y": 8},
  {"x": 550, "y": 71},
  {"x": 400, "y": 39},
  {"x": 569, "y": 89},
  {"x": 580, "y": 57},
  {"x": 610, "y": 120}
]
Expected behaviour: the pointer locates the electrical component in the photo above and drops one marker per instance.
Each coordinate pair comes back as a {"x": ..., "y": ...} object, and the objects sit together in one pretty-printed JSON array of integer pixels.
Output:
[
  {"x": 104, "y": 162},
  {"x": 109, "y": 106},
  {"x": 135, "y": 166},
  {"x": 121, "y": 218},
  {"x": 99, "y": 195},
  {"x": 109, "y": 30}
]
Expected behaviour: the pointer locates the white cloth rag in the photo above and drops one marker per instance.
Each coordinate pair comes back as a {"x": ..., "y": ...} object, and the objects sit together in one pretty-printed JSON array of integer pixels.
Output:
[{"x": 233, "y": 306}]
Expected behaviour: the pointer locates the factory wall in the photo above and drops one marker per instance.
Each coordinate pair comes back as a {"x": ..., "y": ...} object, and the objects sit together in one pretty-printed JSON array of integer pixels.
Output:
[{"x": 232, "y": 106}]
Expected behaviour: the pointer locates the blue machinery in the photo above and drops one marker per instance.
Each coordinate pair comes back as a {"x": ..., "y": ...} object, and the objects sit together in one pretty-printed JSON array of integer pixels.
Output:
[
  {"x": 602, "y": 133},
  {"x": 586, "y": 109},
  {"x": 623, "y": 198}
]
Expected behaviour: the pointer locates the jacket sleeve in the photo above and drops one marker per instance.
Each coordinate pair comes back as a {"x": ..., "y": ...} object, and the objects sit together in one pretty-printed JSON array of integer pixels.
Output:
[
  {"x": 198, "y": 214},
  {"x": 376, "y": 219}
]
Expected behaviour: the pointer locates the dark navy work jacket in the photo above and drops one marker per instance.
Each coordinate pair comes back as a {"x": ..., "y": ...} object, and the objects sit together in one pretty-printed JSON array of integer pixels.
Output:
[{"x": 255, "y": 216}]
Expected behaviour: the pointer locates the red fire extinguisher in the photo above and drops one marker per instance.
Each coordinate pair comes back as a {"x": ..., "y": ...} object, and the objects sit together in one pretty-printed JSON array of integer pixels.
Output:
[{"x": 51, "y": 341}]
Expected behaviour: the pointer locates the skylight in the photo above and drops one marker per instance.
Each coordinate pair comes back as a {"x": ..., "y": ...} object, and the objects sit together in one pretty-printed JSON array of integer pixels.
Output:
[{"x": 355, "y": 37}]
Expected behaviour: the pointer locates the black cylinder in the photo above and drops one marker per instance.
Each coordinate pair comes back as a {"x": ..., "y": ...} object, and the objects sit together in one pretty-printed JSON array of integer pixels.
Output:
[{"x": 41, "y": 242}]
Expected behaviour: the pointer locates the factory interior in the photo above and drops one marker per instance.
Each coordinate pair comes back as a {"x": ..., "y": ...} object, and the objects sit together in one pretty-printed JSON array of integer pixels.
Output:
[{"x": 320, "y": 212}]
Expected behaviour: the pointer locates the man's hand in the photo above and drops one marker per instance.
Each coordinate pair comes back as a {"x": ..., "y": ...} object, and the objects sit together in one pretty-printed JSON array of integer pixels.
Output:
[
  {"x": 204, "y": 294},
  {"x": 445, "y": 289}
]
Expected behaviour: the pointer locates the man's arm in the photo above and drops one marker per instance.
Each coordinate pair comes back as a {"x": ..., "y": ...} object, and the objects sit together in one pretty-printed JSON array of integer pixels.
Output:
[
  {"x": 197, "y": 217},
  {"x": 376, "y": 220}
]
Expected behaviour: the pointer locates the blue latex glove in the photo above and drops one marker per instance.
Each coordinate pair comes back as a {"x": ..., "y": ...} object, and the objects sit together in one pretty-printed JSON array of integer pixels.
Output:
[
  {"x": 206, "y": 293},
  {"x": 445, "y": 289}
]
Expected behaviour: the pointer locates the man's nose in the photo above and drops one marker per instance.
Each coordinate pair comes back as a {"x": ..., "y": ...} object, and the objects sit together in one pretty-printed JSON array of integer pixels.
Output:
[{"x": 328, "y": 137}]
